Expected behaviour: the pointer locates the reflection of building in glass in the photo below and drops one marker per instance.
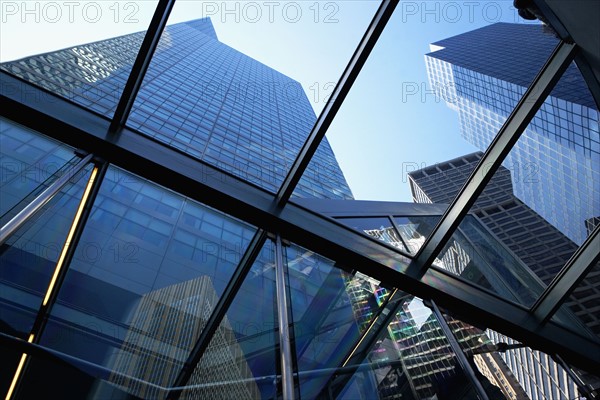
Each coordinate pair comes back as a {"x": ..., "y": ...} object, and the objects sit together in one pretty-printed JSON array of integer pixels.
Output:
[
  {"x": 161, "y": 335},
  {"x": 538, "y": 244},
  {"x": 425, "y": 364},
  {"x": 556, "y": 163},
  {"x": 199, "y": 96}
]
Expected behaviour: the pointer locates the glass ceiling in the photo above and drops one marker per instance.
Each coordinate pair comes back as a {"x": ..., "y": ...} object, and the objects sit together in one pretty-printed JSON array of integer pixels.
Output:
[{"x": 441, "y": 113}]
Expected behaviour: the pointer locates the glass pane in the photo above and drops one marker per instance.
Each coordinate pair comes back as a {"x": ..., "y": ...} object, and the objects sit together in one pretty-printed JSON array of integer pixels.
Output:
[
  {"x": 148, "y": 259},
  {"x": 242, "y": 360},
  {"x": 414, "y": 230},
  {"x": 525, "y": 372},
  {"x": 476, "y": 255},
  {"x": 330, "y": 310},
  {"x": 29, "y": 257},
  {"x": 29, "y": 162},
  {"x": 78, "y": 58},
  {"x": 378, "y": 228},
  {"x": 63, "y": 377},
  {"x": 245, "y": 108},
  {"x": 411, "y": 359},
  {"x": 581, "y": 310},
  {"x": 542, "y": 202},
  {"x": 401, "y": 114}
]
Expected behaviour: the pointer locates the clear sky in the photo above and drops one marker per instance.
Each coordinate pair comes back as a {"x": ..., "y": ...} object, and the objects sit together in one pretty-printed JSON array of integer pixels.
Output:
[{"x": 389, "y": 125}]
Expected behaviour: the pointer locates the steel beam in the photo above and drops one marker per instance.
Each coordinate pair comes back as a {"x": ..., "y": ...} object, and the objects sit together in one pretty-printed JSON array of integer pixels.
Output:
[
  {"x": 141, "y": 64},
  {"x": 576, "y": 269},
  {"x": 285, "y": 350},
  {"x": 460, "y": 355},
  {"x": 492, "y": 159},
  {"x": 336, "y": 99}
]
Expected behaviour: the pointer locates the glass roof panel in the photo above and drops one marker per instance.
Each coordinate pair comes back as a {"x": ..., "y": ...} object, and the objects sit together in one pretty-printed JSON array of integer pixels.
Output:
[
  {"x": 438, "y": 85},
  {"x": 232, "y": 83},
  {"x": 542, "y": 202},
  {"x": 241, "y": 360},
  {"x": 581, "y": 310},
  {"x": 476, "y": 255},
  {"x": 513, "y": 368},
  {"x": 411, "y": 357},
  {"x": 29, "y": 163},
  {"x": 331, "y": 309},
  {"x": 29, "y": 257},
  {"x": 380, "y": 228},
  {"x": 147, "y": 272}
]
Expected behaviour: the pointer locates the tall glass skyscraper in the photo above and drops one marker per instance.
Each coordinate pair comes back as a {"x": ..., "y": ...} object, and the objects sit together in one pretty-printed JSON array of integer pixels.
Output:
[
  {"x": 141, "y": 276},
  {"x": 199, "y": 96},
  {"x": 162, "y": 261},
  {"x": 482, "y": 74}
]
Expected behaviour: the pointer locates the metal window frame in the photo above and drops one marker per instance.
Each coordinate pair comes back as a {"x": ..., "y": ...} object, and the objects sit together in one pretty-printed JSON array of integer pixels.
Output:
[
  {"x": 148, "y": 158},
  {"x": 565, "y": 282},
  {"x": 335, "y": 101},
  {"x": 491, "y": 160},
  {"x": 141, "y": 64},
  {"x": 73, "y": 125}
]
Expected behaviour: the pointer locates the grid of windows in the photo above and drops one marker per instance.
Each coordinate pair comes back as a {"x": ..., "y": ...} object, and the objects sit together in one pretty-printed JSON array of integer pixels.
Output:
[
  {"x": 558, "y": 152},
  {"x": 149, "y": 265},
  {"x": 210, "y": 101}
]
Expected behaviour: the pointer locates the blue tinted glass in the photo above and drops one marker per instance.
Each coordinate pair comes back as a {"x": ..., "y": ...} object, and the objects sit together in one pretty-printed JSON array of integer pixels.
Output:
[
  {"x": 143, "y": 281},
  {"x": 29, "y": 258},
  {"x": 28, "y": 163},
  {"x": 241, "y": 359},
  {"x": 330, "y": 310}
]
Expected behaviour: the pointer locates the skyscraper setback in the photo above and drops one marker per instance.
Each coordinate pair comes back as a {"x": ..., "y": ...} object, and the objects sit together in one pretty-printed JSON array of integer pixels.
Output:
[{"x": 482, "y": 75}]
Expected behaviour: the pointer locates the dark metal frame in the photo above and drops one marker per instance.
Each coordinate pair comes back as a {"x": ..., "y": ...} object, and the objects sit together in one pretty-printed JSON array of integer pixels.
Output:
[
  {"x": 576, "y": 269},
  {"x": 492, "y": 159},
  {"x": 75, "y": 126},
  {"x": 335, "y": 101},
  {"x": 460, "y": 355},
  {"x": 141, "y": 64},
  {"x": 71, "y": 124},
  {"x": 86, "y": 202}
]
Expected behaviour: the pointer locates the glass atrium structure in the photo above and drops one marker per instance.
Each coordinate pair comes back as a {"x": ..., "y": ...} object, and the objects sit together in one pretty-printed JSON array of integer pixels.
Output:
[{"x": 166, "y": 235}]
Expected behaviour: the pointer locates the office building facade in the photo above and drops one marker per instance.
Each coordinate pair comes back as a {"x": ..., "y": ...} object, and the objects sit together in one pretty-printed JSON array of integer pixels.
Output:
[
  {"x": 538, "y": 244},
  {"x": 209, "y": 101},
  {"x": 482, "y": 75},
  {"x": 151, "y": 212}
]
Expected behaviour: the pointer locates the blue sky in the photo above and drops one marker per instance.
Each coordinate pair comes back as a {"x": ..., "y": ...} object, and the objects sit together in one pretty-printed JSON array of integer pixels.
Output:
[{"x": 389, "y": 123}]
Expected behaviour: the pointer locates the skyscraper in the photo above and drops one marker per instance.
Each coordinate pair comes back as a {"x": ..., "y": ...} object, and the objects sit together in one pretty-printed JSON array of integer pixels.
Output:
[
  {"x": 148, "y": 248},
  {"x": 208, "y": 100},
  {"x": 88, "y": 277},
  {"x": 160, "y": 337},
  {"x": 539, "y": 245},
  {"x": 482, "y": 74}
]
